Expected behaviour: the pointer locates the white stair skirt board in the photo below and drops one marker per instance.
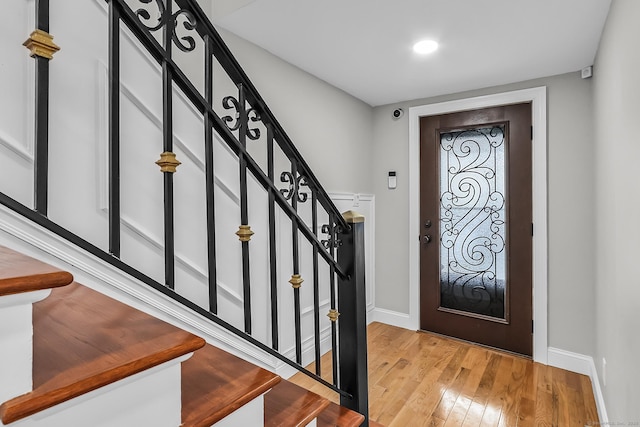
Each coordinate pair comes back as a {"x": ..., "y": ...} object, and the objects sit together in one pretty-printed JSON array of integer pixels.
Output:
[
  {"x": 16, "y": 342},
  {"x": 250, "y": 414},
  {"x": 582, "y": 364},
  {"x": 149, "y": 398}
]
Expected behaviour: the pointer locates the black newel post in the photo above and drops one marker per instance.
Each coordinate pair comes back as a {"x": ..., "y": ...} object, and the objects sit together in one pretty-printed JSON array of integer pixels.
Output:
[{"x": 352, "y": 323}]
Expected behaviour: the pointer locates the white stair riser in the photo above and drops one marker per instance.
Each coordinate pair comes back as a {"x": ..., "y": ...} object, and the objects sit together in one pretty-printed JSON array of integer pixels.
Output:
[
  {"x": 251, "y": 414},
  {"x": 16, "y": 342},
  {"x": 149, "y": 398}
]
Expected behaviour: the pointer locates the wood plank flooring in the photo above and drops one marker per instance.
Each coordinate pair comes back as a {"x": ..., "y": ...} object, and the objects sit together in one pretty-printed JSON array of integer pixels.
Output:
[{"x": 423, "y": 379}]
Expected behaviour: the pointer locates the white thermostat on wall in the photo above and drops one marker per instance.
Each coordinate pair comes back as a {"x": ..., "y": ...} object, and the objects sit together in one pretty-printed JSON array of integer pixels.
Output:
[{"x": 392, "y": 180}]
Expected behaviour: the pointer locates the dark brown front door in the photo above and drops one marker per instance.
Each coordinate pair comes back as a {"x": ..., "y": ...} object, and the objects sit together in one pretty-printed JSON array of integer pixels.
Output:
[{"x": 476, "y": 226}]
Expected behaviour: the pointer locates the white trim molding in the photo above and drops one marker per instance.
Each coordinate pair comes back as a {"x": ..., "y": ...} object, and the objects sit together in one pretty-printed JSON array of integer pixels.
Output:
[
  {"x": 538, "y": 98},
  {"x": 584, "y": 365}
]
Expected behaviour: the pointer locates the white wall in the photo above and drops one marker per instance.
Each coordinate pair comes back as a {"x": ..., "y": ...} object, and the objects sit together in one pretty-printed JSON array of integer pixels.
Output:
[
  {"x": 570, "y": 183},
  {"x": 617, "y": 210},
  {"x": 332, "y": 130}
]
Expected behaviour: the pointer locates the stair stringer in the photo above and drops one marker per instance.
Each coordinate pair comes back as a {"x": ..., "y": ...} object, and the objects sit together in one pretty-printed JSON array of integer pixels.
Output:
[{"x": 29, "y": 238}]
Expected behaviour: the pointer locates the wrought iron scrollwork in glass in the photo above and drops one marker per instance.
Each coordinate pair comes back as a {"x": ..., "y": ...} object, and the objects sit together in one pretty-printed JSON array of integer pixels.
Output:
[
  {"x": 231, "y": 103},
  {"x": 294, "y": 188},
  {"x": 185, "y": 43},
  {"x": 473, "y": 216}
]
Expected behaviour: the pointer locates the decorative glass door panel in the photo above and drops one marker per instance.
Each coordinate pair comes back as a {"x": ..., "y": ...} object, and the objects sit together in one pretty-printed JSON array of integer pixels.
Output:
[{"x": 473, "y": 215}]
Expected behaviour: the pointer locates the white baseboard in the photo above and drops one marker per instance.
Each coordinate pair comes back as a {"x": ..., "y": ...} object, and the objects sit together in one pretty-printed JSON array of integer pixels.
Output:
[
  {"x": 570, "y": 361},
  {"x": 390, "y": 317},
  {"x": 584, "y": 365}
]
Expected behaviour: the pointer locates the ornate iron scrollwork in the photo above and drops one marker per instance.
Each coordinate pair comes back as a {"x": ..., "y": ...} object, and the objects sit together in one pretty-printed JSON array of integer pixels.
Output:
[
  {"x": 144, "y": 16},
  {"x": 294, "y": 186},
  {"x": 231, "y": 103},
  {"x": 332, "y": 239},
  {"x": 473, "y": 213},
  {"x": 184, "y": 43},
  {"x": 254, "y": 116},
  {"x": 228, "y": 103}
]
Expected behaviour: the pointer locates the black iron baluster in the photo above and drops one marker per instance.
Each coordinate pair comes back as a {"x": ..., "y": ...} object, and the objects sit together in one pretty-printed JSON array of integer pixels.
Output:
[
  {"x": 41, "y": 148},
  {"x": 167, "y": 137},
  {"x": 114, "y": 129},
  {"x": 332, "y": 287},
  {"x": 244, "y": 212},
  {"x": 296, "y": 266},
  {"x": 210, "y": 178},
  {"x": 272, "y": 243},
  {"x": 316, "y": 284}
]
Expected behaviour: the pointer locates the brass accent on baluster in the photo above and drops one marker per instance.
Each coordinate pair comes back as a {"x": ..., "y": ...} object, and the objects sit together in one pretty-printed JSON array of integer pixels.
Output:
[
  {"x": 244, "y": 233},
  {"x": 296, "y": 281},
  {"x": 333, "y": 315},
  {"x": 40, "y": 43},
  {"x": 168, "y": 162}
]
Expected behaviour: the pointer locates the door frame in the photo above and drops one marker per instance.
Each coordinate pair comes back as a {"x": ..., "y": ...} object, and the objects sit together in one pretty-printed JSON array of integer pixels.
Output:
[{"x": 538, "y": 98}]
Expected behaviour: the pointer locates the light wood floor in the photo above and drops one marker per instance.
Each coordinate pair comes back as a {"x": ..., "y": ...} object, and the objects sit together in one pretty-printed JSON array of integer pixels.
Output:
[{"x": 423, "y": 379}]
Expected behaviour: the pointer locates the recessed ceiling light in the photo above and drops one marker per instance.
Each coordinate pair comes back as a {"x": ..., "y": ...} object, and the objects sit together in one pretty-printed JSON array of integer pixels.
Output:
[{"x": 425, "y": 46}]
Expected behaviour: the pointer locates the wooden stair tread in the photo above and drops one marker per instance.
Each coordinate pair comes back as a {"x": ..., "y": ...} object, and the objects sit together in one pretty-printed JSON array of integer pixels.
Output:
[
  {"x": 216, "y": 383},
  {"x": 20, "y": 273},
  {"x": 84, "y": 340},
  {"x": 290, "y": 405},
  {"x": 339, "y": 416}
]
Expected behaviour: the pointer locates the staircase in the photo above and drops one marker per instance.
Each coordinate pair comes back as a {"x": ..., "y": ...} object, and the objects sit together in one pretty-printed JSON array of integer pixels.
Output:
[
  {"x": 96, "y": 361},
  {"x": 221, "y": 250}
]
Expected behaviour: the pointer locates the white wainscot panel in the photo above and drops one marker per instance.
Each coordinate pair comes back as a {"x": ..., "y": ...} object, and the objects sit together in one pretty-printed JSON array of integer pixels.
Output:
[
  {"x": 74, "y": 117},
  {"x": 16, "y": 101},
  {"x": 365, "y": 205},
  {"x": 259, "y": 255}
]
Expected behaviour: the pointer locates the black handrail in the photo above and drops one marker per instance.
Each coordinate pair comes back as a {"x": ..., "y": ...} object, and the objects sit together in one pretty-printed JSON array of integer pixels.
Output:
[{"x": 348, "y": 336}]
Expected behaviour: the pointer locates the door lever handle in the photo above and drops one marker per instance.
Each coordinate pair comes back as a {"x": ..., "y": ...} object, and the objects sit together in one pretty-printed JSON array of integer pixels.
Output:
[{"x": 427, "y": 238}]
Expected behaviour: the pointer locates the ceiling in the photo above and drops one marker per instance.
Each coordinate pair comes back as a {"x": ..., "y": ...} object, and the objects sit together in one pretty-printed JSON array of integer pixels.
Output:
[{"x": 364, "y": 47}]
